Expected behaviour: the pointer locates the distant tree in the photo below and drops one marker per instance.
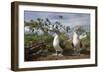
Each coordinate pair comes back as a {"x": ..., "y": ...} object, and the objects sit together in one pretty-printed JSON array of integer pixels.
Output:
[{"x": 61, "y": 17}]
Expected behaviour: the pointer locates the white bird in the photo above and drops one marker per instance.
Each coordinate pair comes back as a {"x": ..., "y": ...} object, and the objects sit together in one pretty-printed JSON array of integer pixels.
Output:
[
  {"x": 76, "y": 44},
  {"x": 56, "y": 45}
]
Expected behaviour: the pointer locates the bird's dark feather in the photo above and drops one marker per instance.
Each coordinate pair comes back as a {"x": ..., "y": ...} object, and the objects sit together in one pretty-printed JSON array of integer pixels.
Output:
[
  {"x": 72, "y": 45},
  {"x": 61, "y": 43}
]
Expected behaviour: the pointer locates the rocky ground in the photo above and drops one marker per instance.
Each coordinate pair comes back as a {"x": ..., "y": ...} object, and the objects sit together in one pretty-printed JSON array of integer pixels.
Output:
[{"x": 67, "y": 55}]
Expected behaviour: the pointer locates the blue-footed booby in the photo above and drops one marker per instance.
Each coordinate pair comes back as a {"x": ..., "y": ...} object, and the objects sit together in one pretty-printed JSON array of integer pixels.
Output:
[
  {"x": 76, "y": 43},
  {"x": 57, "y": 46}
]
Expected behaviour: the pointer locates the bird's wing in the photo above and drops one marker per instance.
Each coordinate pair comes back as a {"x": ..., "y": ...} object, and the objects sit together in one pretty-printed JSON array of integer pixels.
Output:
[
  {"x": 61, "y": 43},
  {"x": 72, "y": 44},
  {"x": 82, "y": 36},
  {"x": 81, "y": 44}
]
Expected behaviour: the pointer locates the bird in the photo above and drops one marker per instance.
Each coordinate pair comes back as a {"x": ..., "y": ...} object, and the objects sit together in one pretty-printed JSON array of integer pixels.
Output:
[
  {"x": 57, "y": 46},
  {"x": 76, "y": 43}
]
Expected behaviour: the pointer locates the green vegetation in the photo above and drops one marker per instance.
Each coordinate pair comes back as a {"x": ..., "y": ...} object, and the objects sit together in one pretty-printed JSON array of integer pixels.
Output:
[
  {"x": 48, "y": 28},
  {"x": 86, "y": 41},
  {"x": 67, "y": 44}
]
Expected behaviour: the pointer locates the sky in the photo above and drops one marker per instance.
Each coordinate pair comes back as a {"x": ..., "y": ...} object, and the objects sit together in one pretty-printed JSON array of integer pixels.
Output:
[{"x": 69, "y": 19}]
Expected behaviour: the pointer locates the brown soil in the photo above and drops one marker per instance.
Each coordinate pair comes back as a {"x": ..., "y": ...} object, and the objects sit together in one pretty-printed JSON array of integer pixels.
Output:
[{"x": 51, "y": 57}]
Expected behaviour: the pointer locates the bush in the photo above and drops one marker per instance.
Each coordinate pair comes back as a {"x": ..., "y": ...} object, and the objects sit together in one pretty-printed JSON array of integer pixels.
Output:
[
  {"x": 86, "y": 41},
  {"x": 67, "y": 44}
]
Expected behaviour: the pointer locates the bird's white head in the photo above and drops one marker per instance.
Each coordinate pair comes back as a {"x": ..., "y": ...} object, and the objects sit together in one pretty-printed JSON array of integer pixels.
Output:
[{"x": 75, "y": 33}]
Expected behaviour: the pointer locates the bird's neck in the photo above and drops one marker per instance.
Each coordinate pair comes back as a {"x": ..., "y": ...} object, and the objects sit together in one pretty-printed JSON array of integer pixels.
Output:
[
  {"x": 56, "y": 38},
  {"x": 75, "y": 36}
]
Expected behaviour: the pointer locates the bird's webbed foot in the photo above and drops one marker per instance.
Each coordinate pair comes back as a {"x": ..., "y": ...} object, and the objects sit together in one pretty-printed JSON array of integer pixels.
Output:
[{"x": 59, "y": 53}]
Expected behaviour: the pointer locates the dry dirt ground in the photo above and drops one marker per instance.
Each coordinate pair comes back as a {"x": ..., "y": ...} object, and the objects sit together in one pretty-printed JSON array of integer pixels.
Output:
[{"x": 51, "y": 57}]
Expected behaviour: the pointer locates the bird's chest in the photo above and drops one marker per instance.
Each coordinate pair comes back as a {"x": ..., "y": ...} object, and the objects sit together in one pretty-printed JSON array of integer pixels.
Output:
[
  {"x": 75, "y": 40},
  {"x": 56, "y": 42}
]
